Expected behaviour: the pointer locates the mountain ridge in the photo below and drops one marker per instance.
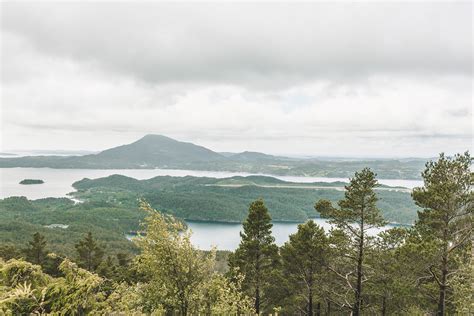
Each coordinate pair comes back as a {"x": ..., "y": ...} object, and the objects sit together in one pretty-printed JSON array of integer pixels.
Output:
[{"x": 158, "y": 151}]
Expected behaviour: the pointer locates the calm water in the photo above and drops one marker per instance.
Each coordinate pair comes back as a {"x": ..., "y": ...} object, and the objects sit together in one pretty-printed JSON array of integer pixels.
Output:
[
  {"x": 205, "y": 234},
  {"x": 58, "y": 182},
  {"x": 226, "y": 236}
]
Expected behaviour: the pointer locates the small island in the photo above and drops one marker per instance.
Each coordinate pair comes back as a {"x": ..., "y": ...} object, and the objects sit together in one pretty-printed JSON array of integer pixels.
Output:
[{"x": 31, "y": 181}]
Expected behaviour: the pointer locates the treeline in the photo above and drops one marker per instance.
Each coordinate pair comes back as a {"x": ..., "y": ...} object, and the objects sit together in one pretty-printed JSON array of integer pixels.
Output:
[{"x": 423, "y": 270}]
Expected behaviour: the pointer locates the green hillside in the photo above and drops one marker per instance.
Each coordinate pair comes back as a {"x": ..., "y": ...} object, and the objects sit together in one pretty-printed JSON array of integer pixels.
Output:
[
  {"x": 226, "y": 200},
  {"x": 20, "y": 217}
]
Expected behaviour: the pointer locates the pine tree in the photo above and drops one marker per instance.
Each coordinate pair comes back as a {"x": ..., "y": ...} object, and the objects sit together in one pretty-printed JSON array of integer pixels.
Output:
[
  {"x": 257, "y": 253},
  {"x": 356, "y": 214},
  {"x": 390, "y": 286},
  {"x": 303, "y": 260},
  {"x": 90, "y": 254},
  {"x": 36, "y": 251},
  {"x": 447, "y": 202}
]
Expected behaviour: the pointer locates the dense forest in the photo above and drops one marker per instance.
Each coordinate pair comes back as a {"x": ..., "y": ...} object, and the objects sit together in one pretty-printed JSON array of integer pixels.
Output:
[
  {"x": 109, "y": 208},
  {"x": 225, "y": 200},
  {"x": 426, "y": 269}
]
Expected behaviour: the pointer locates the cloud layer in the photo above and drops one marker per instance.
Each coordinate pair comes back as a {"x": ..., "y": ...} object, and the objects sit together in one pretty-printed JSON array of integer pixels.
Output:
[{"x": 313, "y": 79}]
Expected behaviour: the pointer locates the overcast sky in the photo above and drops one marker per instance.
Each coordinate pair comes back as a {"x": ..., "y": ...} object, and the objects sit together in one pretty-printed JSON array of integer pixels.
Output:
[{"x": 341, "y": 79}]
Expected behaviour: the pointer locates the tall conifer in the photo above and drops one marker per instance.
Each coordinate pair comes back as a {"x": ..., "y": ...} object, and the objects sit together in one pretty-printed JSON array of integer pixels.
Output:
[
  {"x": 356, "y": 214},
  {"x": 447, "y": 202},
  {"x": 257, "y": 253}
]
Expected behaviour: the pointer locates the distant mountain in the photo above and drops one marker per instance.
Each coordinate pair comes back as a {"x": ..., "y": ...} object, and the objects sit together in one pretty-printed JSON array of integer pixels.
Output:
[
  {"x": 151, "y": 151},
  {"x": 157, "y": 151},
  {"x": 252, "y": 156},
  {"x": 226, "y": 154}
]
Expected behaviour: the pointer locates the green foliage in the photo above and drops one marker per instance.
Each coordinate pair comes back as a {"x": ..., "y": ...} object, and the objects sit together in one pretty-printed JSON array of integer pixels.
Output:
[
  {"x": 389, "y": 287},
  {"x": 180, "y": 278},
  {"x": 257, "y": 254},
  {"x": 225, "y": 200},
  {"x": 9, "y": 251},
  {"x": 20, "y": 217},
  {"x": 90, "y": 254},
  {"x": 22, "y": 287},
  {"x": 461, "y": 284},
  {"x": 447, "y": 202},
  {"x": 357, "y": 213},
  {"x": 358, "y": 206},
  {"x": 31, "y": 181},
  {"x": 79, "y": 292},
  {"x": 421, "y": 270},
  {"x": 219, "y": 296},
  {"x": 36, "y": 251},
  {"x": 17, "y": 272},
  {"x": 304, "y": 258}
]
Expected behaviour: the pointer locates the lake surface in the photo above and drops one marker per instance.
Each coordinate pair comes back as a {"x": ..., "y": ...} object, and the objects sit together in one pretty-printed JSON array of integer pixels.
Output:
[
  {"x": 58, "y": 182},
  {"x": 226, "y": 236}
]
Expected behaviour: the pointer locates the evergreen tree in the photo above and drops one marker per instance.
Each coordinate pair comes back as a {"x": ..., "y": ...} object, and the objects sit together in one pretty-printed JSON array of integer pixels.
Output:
[
  {"x": 126, "y": 271},
  {"x": 90, "y": 254},
  {"x": 123, "y": 259},
  {"x": 180, "y": 278},
  {"x": 36, "y": 251},
  {"x": 257, "y": 253},
  {"x": 303, "y": 260},
  {"x": 447, "y": 202},
  {"x": 356, "y": 214},
  {"x": 390, "y": 287}
]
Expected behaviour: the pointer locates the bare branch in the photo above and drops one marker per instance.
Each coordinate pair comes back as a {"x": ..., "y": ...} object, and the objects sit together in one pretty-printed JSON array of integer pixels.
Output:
[{"x": 434, "y": 275}]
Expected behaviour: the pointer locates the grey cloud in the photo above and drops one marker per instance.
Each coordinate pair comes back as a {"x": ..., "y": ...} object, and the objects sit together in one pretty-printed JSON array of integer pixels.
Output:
[
  {"x": 256, "y": 45},
  {"x": 334, "y": 79}
]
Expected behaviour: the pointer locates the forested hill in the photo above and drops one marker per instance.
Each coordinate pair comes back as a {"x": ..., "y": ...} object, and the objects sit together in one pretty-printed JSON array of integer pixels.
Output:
[
  {"x": 156, "y": 151},
  {"x": 226, "y": 200}
]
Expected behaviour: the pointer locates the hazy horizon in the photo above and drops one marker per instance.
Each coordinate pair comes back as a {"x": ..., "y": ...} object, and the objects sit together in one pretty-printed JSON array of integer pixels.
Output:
[
  {"x": 47, "y": 152},
  {"x": 375, "y": 80}
]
